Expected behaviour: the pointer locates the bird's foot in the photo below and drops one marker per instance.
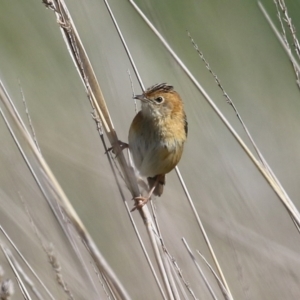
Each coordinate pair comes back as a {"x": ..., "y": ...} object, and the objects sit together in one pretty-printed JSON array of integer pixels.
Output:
[
  {"x": 122, "y": 146},
  {"x": 140, "y": 202}
]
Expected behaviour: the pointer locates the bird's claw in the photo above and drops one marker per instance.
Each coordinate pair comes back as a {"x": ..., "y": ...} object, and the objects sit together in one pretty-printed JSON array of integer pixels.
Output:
[
  {"x": 139, "y": 202},
  {"x": 122, "y": 146}
]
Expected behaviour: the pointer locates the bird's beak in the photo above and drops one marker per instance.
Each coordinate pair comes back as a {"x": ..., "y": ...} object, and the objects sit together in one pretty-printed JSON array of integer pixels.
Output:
[{"x": 141, "y": 97}]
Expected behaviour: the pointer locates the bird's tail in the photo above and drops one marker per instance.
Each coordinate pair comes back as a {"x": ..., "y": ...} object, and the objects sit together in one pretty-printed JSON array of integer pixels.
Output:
[{"x": 161, "y": 180}]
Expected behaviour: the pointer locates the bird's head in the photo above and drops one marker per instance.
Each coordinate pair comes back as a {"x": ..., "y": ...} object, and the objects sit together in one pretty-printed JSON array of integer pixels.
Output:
[{"x": 160, "y": 101}]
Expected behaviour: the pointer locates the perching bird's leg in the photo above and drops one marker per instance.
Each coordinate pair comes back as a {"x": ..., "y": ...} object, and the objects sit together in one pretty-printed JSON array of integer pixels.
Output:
[
  {"x": 122, "y": 147},
  {"x": 141, "y": 201}
]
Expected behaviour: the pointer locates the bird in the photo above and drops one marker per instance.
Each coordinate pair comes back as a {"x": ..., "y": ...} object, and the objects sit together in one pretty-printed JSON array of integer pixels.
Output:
[{"x": 156, "y": 136}]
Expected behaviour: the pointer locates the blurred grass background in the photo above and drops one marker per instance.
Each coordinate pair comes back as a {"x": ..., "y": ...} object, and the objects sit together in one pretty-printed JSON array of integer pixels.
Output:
[{"x": 254, "y": 238}]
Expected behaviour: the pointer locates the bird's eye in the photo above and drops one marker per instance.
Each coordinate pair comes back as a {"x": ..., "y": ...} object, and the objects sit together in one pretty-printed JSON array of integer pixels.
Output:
[{"x": 159, "y": 99}]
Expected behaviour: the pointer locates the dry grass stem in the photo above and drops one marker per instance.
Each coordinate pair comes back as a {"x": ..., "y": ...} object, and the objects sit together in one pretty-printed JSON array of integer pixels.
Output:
[
  {"x": 281, "y": 39},
  {"x": 212, "y": 293},
  {"x": 219, "y": 281},
  {"x": 179, "y": 273},
  {"x": 145, "y": 252},
  {"x": 178, "y": 280},
  {"x": 171, "y": 260},
  {"x": 29, "y": 118},
  {"x": 203, "y": 231},
  {"x": 172, "y": 264},
  {"x": 170, "y": 275},
  {"x": 105, "y": 286}
]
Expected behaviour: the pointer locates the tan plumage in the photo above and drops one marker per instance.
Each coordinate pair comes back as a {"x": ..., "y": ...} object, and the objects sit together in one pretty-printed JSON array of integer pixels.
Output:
[{"x": 157, "y": 134}]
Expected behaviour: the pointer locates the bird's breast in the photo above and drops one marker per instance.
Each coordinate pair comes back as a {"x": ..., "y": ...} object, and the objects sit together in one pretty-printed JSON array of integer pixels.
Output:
[{"x": 156, "y": 144}]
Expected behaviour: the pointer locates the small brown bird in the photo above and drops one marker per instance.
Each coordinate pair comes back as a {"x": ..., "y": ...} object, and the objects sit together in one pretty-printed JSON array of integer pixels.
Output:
[{"x": 157, "y": 135}]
